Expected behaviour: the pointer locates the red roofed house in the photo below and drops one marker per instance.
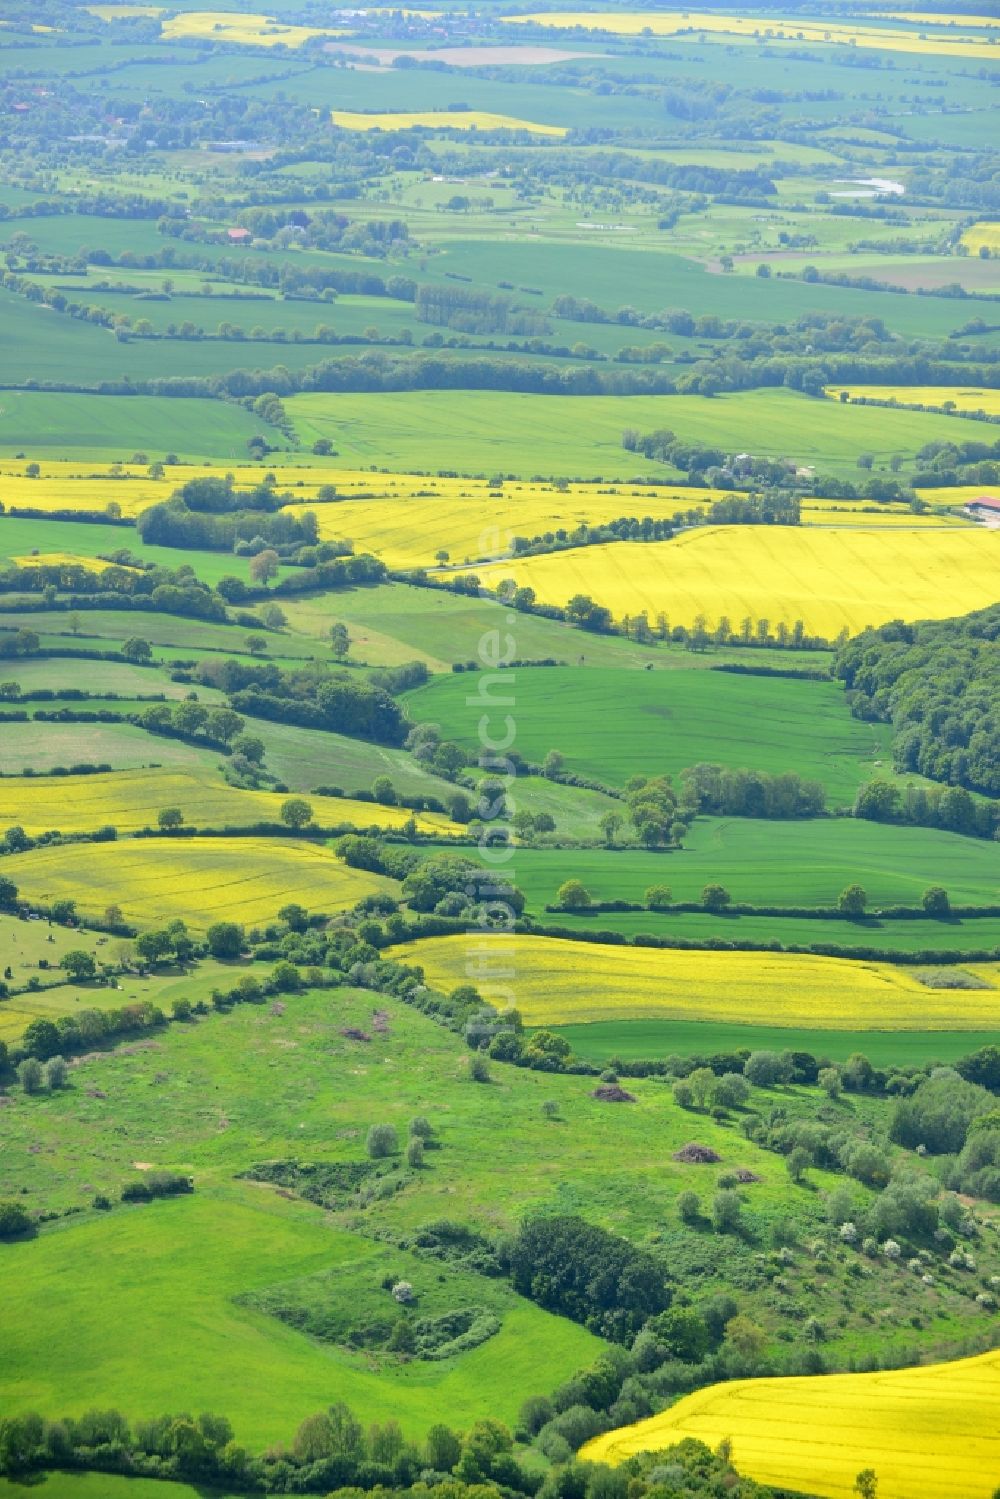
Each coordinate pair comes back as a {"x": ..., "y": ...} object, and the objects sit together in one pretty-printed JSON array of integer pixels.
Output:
[
  {"x": 238, "y": 236},
  {"x": 985, "y": 508}
]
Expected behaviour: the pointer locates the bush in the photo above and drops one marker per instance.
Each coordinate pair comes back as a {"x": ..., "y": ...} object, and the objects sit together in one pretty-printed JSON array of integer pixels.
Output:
[
  {"x": 30, "y": 1075},
  {"x": 479, "y": 1068},
  {"x": 689, "y": 1207},
  {"x": 382, "y": 1141},
  {"x": 56, "y": 1072},
  {"x": 415, "y": 1151},
  {"x": 726, "y": 1211},
  {"x": 14, "y": 1220}
]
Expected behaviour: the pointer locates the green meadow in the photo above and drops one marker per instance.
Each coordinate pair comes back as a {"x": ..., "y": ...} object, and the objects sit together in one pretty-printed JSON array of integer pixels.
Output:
[
  {"x": 611, "y": 727},
  {"x": 189, "y": 1276}
]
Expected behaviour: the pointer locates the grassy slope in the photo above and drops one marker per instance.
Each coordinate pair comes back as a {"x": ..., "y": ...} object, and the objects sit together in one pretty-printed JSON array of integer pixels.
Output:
[
  {"x": 269, "y": 1082},
  {"x": 612, "y": 727}
]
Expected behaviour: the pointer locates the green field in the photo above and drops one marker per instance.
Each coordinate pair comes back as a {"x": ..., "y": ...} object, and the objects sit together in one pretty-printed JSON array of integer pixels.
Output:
[
  {"x": 484, "y": 432},
  {"x": 649, "y": 1039},
  {"x": 779, "y": 863},
  {"x": 612, "y": 727},
  {"x": 114, "y": 427}
]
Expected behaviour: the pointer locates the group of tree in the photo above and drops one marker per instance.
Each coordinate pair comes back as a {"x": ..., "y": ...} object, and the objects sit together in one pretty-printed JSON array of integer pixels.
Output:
[
  {"x": 750, "y": 793},
  {"x": 938, "y": 683}
]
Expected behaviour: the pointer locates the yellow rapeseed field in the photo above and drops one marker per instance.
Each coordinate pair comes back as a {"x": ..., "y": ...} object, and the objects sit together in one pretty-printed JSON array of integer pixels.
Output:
[
  {"x": 439, "y": 119},
  {"x": 957, "y": 397},
  {"x": 122, "y": 12},
  {"x": 957, "y": 497},
  {"x": 939, "y": 18},
  {"x": 928, "y": 1433},
  {"x": 62, "y": 559},
  {"x": 985, "y": 233},
  {"x": 668, "y": 23},
  {"x": 232, "y": 26},
  {"x": 62, "y": 492},
  {"x": 852, "y": 513},
  {"x": 202, "y": 880},
  {"x": 469, "y": 520},
  {"x": 831, "y": 579},
  {"x": 558, "y": 982},
  {"x": 130, "y": 799}
]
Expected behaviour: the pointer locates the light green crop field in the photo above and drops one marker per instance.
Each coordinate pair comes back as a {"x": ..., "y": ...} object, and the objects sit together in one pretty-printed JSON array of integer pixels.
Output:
[
  {"x": 114, "y": 427},
  {"x": 779, "y": 863},
  {"x": 612, "y": 727},
  {"x": 580, "y": 436},
  {"x": 646, "y": 1039}
]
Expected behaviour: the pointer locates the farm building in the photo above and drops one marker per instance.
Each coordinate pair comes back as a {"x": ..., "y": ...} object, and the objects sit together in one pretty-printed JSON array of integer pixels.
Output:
[{"x": 985, "y": 508}]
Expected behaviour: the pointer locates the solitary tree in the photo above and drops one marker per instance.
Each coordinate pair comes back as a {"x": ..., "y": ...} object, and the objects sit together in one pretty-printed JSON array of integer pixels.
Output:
[
  {"x": 137, "y": 649},
  {"x": 340, "y": 641},
  {"x": 610, "y": 826},
  {"x": 296, "y": 812},
  {"x": 574, "y": 895},
  {"x": 935, "y": 901},
  {"x": 264, "y": 566},
  {"x": 169, "y": 817},
  {"x": 866, "y": 1484},
  {"x": 79, "y": 965},
  {"x": 852, "y": 901},
  {"x": 715, "y": 897}
]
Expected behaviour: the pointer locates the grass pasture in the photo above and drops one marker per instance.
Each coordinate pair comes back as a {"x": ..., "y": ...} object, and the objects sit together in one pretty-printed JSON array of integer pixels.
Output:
[
  {"x": 39, "y": 746},
  {"x": 177, "y": 1271},
  {"x": 611, "y": 727},
  {"x": 927, "y": 1431},
  {"x": 558, "y": 982},
  {"x": 129, "y": 800},
  {"x": 831, "y": 579},
  {"x": 202, "y": 880}
]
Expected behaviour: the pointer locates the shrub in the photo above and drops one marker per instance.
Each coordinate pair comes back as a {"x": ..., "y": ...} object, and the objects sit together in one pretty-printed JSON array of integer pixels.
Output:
[
  {"x": 14, "y": 1220},
  {"x": 689, "y": 1207},
  {"x": 30, "y": 1075},
  {"x": 726, "y": 1211},
  {"x": 479, "y": 1068},
  {"x": 382, "y": 1141},
  {"x": 55, "y": 1074},
  {"x": 415, "y": 1151}
]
